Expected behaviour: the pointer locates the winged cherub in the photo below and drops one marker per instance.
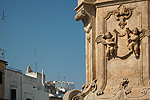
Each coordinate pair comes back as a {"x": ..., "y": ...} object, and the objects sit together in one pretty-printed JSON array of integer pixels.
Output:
[
  {"x": 133, "y": 40},
  {"x": 109, "y": 40}
]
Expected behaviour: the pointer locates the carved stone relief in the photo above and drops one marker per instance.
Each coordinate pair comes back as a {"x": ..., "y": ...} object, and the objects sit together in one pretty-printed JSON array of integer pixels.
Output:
[
  {"x": 79, "y": 95},
  {"x": 119, "y": 50},
  {"x": 125, "y": 92},
  {"x": 133, "y": 38},
  {"x": 110, "y": 41},
  {"x": 122, "y": 14}
]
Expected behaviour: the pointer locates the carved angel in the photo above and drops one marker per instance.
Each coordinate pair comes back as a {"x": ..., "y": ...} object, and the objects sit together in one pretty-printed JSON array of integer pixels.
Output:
[
  {"x": 134, "y": 37},
  {"x": 133, "y": 40},
  {"x": 109, "y": 40}
]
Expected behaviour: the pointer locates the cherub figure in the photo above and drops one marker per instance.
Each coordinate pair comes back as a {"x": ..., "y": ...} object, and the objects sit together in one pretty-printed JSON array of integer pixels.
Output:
[
  {"x": 133, "y": 40},
  {"x": 109, "y": 40}
]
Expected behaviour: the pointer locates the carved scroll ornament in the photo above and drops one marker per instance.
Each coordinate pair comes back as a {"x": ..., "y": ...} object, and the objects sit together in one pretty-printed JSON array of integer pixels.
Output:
[
  {"x": 79, "y": 95},
  {"x": 124, "y": 91},
  {"x": 122, "y": 14},
  {"x": 86, "y": 19}
]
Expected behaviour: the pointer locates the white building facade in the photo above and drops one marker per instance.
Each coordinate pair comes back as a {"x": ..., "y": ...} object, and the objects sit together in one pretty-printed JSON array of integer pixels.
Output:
[
  {"x": 57, "y": 89},
  {"x": 28, "y": 86},
  {"x": 13, "y": 85},
  {"x": 33, "y": 86}
]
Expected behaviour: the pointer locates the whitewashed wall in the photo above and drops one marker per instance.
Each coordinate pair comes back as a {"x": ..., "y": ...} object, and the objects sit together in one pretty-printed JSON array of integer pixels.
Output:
[
  {"x": 33, "y": 88},
  {"x": 13, "y": 80}
]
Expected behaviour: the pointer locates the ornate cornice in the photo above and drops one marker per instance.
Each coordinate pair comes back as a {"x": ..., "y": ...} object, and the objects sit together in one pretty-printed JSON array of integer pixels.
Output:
[
  {"x": 114, "y": 1},
  {"x": 105, "y": 3},
  {"x": 85, "y": 4}
]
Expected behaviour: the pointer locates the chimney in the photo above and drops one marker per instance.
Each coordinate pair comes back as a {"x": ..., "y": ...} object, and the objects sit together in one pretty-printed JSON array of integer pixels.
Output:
[{"x": 43, "y": 78}]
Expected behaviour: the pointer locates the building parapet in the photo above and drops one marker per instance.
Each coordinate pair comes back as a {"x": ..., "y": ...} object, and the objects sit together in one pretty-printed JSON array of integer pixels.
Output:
[{"x": 13, "y": 69}]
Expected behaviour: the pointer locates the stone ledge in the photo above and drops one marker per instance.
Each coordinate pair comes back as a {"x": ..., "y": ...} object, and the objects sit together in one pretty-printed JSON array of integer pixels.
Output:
[
  {"x": 104, "y": 3},
  {"x": 84, "y": 3}
]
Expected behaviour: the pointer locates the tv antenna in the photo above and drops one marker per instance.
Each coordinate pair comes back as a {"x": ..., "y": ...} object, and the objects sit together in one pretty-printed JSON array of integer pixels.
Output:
[
  {"x": 3, "y": 51},
  {"x": 35, "y": 62},
  {"x": 58, "y": 76}
]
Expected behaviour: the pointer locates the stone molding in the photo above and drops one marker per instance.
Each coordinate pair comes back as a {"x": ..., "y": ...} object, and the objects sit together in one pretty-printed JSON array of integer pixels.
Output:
[
  {"x": 105, "y": 3},
  {"x": 85, "y": 4}
]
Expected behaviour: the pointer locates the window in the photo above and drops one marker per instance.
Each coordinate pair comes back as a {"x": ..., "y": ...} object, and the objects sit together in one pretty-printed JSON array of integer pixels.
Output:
[
  {"x": 28, "y": 99},
  {"x": 0, "y": 77},
  {"x": 13, "y": 94}
]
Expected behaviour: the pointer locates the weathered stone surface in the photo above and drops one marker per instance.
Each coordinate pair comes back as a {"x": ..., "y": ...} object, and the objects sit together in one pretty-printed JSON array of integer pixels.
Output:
[
  {"x": 2, "y": 67},
  {"x": 117, "y": 49}
]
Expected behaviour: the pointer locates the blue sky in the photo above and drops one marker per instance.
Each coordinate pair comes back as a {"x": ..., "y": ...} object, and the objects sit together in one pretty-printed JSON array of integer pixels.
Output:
[{"x": 50, "y": 27}]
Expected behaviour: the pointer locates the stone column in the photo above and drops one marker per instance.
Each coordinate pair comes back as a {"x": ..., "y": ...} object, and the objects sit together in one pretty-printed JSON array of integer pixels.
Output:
[
  {"x": 117, "y": 50},
  {"x": 86, "y": 13}
]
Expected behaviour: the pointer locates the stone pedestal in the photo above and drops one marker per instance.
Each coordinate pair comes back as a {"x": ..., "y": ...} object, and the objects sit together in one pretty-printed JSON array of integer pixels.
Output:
[{"x": 117, "y": 50}]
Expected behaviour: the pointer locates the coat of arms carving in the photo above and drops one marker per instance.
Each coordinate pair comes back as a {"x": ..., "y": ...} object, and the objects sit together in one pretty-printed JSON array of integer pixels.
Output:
[
  {"x": 122, "y": 42},
  {"x": 130, "y": 39}
]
